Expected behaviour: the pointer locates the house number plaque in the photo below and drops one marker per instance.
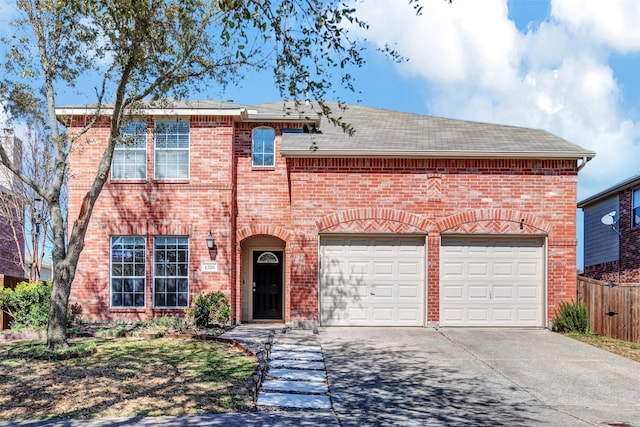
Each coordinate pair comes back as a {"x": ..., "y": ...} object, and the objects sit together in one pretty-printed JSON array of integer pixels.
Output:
[{"x": 209, "y": 267}]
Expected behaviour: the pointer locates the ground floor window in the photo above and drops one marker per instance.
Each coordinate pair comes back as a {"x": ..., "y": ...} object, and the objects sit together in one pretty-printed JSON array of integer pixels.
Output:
[
  {"x": 171, "y": 271},
  {"x": 127, "y": 271}
]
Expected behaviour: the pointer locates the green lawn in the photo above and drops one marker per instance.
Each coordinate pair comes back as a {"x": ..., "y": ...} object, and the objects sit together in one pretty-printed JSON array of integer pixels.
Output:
[
  {"x": 626, "y": 349},
  {"x": 124, "y": 377}
]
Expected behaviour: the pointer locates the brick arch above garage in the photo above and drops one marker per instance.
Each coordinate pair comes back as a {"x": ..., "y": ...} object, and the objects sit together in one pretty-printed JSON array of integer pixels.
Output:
[
  {"x": 373, "y": 220},
  {"x": 493, "y": 221},
  {"x": 263, "y": 230}
]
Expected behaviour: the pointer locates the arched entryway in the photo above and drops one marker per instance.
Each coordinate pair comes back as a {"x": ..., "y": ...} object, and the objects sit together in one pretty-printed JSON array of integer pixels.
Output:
[{"x": 263, "y": 279}]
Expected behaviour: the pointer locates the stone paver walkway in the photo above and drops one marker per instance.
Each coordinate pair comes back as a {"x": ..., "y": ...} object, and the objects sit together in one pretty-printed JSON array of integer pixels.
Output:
[{"x": 295, "y": 376}]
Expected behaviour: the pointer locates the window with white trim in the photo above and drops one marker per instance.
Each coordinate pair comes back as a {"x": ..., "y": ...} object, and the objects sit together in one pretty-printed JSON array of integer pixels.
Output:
[
  {"x": 130, "y": 153},
  {"x": 171, "y": 271},
  {"x": 127, "y": 271},
  {"x": 263, "y": 147},
  {"x": 172, "y": 149},
  {"x": 635, "y": 214}
]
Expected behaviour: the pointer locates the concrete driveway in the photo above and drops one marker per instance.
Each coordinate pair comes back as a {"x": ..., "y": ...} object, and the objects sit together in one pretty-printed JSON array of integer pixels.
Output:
[{"x": 477, "y": 377}]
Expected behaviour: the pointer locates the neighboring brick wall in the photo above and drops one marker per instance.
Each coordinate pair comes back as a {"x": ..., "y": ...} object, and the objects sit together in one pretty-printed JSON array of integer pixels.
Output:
[
  {"x": 298, "y": 199},
  {"x": 10, "y": 264},
  {"x": 629, "y": 242}
]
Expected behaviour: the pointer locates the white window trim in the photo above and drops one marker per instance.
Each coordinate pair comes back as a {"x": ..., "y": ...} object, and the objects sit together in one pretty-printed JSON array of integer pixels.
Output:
[
  {"x": 635, "y": 205},
  {"x": 153, "y": 287},
  {"x": 111, "y": 276},
  {"x": 274, "y": 147},
  {"x": 119, "y": 148},
  {"x": 155, "y": 150}
]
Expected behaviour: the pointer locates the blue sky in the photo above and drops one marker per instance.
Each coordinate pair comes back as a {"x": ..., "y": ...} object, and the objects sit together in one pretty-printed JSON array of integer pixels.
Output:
[{"x": 570, "y": 67}]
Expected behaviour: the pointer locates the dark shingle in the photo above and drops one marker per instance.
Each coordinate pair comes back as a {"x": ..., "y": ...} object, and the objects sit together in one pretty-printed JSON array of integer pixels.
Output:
[{"x": 396, "y": 133}]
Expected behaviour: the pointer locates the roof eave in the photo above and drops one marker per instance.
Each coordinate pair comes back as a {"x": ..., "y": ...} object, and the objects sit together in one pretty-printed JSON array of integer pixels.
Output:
[
  {"x": 634, "y": 181},
  {"x": 241, "y": 114},
  {"x": 105, "y": 112},
  {"x": 255, "y": 117},
  {"x": 296, "y": 153}
]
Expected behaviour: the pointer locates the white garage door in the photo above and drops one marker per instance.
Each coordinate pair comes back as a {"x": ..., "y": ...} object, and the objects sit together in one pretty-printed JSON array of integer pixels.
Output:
[
  {"x": 372, "y": 281},
  {"x": 491, "y": 282}
]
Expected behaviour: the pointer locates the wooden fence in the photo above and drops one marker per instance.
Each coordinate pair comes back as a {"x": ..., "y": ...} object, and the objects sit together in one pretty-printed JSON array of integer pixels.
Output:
[{"x": 614, "y": 311}]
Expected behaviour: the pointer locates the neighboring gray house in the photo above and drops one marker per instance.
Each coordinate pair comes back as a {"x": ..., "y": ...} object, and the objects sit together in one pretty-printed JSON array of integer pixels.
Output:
[{"x": 612, "y": 233}]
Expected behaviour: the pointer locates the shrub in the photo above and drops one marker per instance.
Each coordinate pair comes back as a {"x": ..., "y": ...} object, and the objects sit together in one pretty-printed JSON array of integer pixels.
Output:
[
  {"x": 28, "y": 304},
  {"x": 167, "y": 322},
  {"x": 210, "y": 309},
  {"x": 571, "y": 317}
]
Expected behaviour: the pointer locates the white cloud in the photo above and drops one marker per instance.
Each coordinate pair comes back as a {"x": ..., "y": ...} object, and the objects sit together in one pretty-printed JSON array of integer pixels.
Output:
[
  {"x": 611, "y": 22},
  {"x": 554, "y": 77},
  {"x": 448, "y": 43}
]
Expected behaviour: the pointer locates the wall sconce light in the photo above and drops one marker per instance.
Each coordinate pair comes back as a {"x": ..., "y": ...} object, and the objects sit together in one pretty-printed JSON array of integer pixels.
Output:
[{"x": 211, "y": 242}]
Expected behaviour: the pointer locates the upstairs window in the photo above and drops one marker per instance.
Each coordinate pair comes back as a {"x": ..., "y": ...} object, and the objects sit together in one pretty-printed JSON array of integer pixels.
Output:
[
  {"x": 130, "y": 154},
  {"x": 172, "y": 150},
  {"x": 263, "y": 147},
  {"x": 635, "y": 214}
]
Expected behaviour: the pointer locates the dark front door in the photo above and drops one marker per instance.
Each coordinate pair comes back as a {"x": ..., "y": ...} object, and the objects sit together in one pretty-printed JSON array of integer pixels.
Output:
[{"x": 267, "y": 285}]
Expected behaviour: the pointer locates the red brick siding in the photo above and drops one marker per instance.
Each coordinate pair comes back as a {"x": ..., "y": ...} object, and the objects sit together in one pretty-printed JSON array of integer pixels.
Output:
[
  {"x": 9, "y": 255},
  {"x": 156, "y": 207},
  {"x": 541, "y": 192},
  {"x": 298, "y": 199}
]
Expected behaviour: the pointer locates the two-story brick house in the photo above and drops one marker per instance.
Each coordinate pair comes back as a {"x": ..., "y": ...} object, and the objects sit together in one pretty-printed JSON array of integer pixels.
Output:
[
  {"x": 414, "y": 220},
  {"x": 612, "y": 233}
]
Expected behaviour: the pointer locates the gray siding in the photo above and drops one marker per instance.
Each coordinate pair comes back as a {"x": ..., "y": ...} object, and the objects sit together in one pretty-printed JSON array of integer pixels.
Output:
[{"x": 600, "y": 241}]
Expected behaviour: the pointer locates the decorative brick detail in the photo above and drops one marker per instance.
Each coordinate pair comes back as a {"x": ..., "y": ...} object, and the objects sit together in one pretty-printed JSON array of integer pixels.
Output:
[
  {"x": 495, "y": 226},
  {"x": 372, "y": 220},
  {"x": 434, "y": 188},
  {"x": 494, "y": 221},
  {"x": 263, "y": 230},
  {"x": 372, "y": 226}
]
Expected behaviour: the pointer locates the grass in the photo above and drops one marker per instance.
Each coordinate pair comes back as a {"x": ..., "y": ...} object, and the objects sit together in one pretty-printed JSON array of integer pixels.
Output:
[
  {"x": 622, "y": 348},
  {"x": 123, "y": 377}
]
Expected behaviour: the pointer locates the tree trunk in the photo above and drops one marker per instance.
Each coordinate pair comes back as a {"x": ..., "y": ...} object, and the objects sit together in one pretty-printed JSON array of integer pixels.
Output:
[{"x": 57, "y": 327}]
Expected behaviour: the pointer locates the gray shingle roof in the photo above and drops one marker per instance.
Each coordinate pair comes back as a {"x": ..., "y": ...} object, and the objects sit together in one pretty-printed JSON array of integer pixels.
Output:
[{"x": 383, "y": 132}]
